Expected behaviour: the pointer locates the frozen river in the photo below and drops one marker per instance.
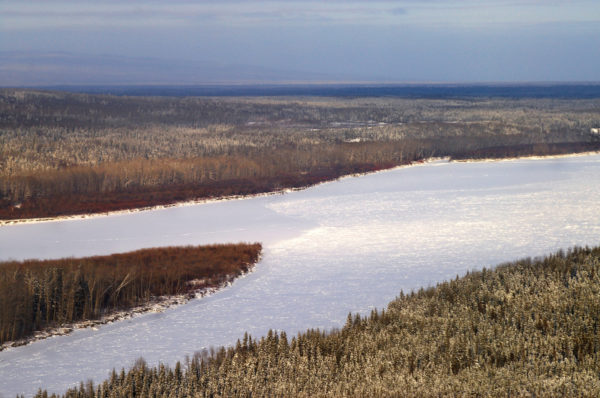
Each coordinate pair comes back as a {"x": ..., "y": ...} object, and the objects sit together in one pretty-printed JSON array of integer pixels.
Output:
[{"x": 348, "y": 245}]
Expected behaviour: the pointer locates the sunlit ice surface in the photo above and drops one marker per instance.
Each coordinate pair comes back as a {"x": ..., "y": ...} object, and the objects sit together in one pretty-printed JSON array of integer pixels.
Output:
[{"x": 345, "y": 246}]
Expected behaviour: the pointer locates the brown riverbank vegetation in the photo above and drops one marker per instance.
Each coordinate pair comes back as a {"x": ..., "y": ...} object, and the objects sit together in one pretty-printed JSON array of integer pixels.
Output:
[{"x": 36, "y": 294}]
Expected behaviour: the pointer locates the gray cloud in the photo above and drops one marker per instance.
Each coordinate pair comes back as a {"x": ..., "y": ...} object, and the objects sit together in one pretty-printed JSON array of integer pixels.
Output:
[
  {"x": 398, "y": 11},
  {"x": 53, "y": 14},
  {"x": 233, "y": 40}
]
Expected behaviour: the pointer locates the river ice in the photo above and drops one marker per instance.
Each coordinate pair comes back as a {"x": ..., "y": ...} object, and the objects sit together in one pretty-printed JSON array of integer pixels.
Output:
[{"x": 348, "y": 245}]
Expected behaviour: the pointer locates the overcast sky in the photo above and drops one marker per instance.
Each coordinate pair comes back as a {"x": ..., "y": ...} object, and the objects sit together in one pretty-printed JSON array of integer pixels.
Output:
[{"x": 104, "y": 41}]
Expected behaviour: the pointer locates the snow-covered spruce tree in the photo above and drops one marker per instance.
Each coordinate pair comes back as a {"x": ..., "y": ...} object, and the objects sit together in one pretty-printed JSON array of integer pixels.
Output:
[{"x": 525, "y": 328}]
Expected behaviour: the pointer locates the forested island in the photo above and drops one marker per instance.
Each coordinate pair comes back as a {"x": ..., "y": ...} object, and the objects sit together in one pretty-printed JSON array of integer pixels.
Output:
[
  {"x": 524, "y": 328},
  {"x": 39, "y": 294},
  {"x": 71, "y": 153}
]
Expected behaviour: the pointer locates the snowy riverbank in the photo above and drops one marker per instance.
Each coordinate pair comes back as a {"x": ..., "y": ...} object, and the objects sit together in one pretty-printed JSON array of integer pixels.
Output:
[
  {"x": 278, "y": 192},
  {"x": 347, "y": 245},
  {"x": 200, "y": 201},
  {"x": 156, "y": 304}
]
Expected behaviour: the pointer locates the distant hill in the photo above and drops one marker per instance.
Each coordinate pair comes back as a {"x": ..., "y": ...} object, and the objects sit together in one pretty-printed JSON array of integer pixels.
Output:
[
  {"x": 24, "y": 69},
  {"x": 431, "y": 91},
  {"x": 144, "y": 76}
]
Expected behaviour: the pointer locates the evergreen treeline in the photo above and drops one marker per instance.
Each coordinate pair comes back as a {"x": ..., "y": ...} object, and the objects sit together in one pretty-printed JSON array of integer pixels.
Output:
[
  {"x": 63, "y": 153},
  {"x": 528, "y": 328},
  {"x": 37, "y": 294},
  {"x": 499, "y": 152}
]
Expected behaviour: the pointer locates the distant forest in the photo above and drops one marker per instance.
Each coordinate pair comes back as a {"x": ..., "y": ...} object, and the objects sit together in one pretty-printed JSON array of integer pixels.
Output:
[
  {"x": 67, "y": 153},
  {"x": 528, "y": 328},
  {"x": 37, "y": 294},
  {"x": 430, "y": 91}
]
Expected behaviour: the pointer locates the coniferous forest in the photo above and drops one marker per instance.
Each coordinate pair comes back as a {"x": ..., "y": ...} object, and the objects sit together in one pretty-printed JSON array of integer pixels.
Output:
[
  {"x": 36, "y": 294},
  {"x": 525, "y": 328},
  {"x": 528, "y": 328},
  {"x": 64, "y": 153}
]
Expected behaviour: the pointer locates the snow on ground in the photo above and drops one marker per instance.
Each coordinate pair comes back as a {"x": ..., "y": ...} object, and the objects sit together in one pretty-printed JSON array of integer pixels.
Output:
[{"x": 349, "y": 245}]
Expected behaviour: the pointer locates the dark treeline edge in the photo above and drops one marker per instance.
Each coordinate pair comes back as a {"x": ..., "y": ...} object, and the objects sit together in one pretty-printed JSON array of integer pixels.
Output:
[
  {"x": 40, "y": 294},
  {"x": 528, "y": 328}
]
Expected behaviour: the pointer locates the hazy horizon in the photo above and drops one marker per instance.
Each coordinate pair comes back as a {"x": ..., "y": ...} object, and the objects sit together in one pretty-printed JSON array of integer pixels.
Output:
[{"x": 272, "y": 42}]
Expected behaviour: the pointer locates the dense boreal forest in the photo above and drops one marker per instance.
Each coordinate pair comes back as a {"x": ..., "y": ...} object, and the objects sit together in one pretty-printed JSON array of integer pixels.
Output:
[
  {"x": 38, "y": 294},
  {"x": 64, "y": 153},
  {"x": 528, "y": 328}
]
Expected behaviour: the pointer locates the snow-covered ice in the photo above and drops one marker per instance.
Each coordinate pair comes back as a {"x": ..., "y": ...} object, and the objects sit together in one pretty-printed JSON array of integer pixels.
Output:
[{"x": 348, "y": 245}]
